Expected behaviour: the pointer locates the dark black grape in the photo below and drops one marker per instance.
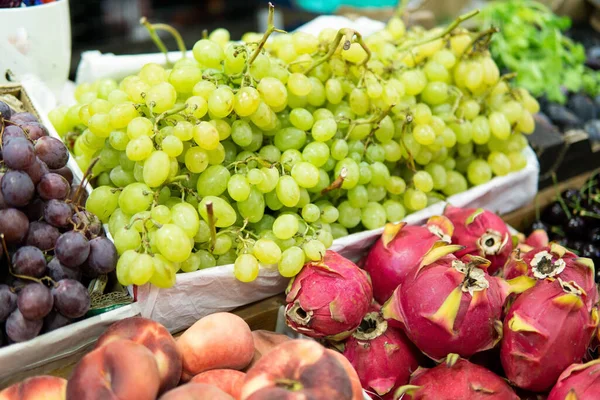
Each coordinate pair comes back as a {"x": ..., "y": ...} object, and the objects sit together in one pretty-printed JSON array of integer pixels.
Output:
[
  {"x": 571, "y": 196},
  {"x": 3, "y": 204},
  {"x": 23, "y": 117},
  {"x": 35, "y": 209},
  {"x": 57, "y": 213},
  {"x": 576, "y": 228},
  {"x": 53, "y": 186},
  {"x": 554, "y": 214},
  {"x": 35, "y": 301},
  {"x": 37, "y": 170},
  {"x": 29, "y": 261},
  {"x": 14, "y": 225},
  {"x": 72, "y": 249},
  {"x": 12, "y": 132},
  {"x": 55, "y": 320},
  {"x": 88, "y": 222},
  {"x": 71, "y": 298},
  {"x": 103, "y": 255},
  {"x": 19, "y": 329},
  {"x": 8, "y": 302},
  {"x": 42, "y": 235},
  {"x": 594, "y": 237},
  {"x": 83, "y": 195},
  {"x": 5, "y": 110},
  {"x": 58, "y": 272},
  {"x": 18, "y": 153},
  {"x": 35, "y": 130},
  {"x": 540, "y": 225},
  {"x": 576, "y": 245},
  {"x": 66, "y": 173},
  {"x": 52, "y": 151},
  {"x": 17, "y": 188}
]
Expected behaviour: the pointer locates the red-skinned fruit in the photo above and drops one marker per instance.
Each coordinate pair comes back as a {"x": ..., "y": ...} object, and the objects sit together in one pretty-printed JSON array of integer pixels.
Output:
[
  {"x": 578, "y": 382},
  {"x": 547, "y": 328},
  {"x": 328, "y": 298},
  {"x": 402, "y": 249},
  {"x": 483, "y": 234},
  {"x": 452, "y": 306},
  {"x": 456, "y": 379},
  {"x": 382, "y": 355}
]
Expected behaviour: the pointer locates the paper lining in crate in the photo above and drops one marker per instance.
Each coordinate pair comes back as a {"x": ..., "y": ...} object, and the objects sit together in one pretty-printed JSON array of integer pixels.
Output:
[{"x": 50, "y": 350}]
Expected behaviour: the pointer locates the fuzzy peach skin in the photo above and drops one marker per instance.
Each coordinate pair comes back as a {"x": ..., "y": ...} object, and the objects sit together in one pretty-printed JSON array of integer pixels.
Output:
[
  {"x": 196, "y": 391},
  {"x": 155, "y": 338},
  {"x": 265, "y": 341},
  {"x": 357, "y": 391},
  {"x": 120, "y": 370},
  {"x": 220, "y": 340},
  {"x": 37, "y": 388},
  {"x": 297, "y": 370},
  {"x": 228, "y": 380}
]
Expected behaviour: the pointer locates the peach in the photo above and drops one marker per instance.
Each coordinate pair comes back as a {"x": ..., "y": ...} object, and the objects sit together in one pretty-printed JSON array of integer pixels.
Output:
[
  {"x": 265, "y": 341},
  {"x": 228, "y": 380},
  {"x": 298, "y": 369},
  {"x": 37, "y": 388},
  {"x": 220, "y": 340},
  {"x": 155, "y": 338},
  {"x": 357, "y": 391},
  {"x": 118, "y": 370},
  {"x": 196, "y": 391}
]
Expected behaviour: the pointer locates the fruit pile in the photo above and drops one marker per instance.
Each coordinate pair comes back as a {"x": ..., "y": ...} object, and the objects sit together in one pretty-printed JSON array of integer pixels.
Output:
[
  {"x": 50, "y": 243},
  {"x": 217, "y": 358},
  {"x": 573, "y": 219},
  {"x": 263, "y": 152},
  {"x": 456, "y": 292}
]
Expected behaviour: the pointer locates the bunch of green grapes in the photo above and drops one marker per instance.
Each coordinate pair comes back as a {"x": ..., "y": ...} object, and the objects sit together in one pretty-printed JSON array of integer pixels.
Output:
[{"x": 261, "y": 153}]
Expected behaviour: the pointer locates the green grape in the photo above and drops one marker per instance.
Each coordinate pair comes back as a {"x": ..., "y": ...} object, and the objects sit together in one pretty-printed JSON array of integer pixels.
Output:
[
  {"x": 222, "y": 127},
  {"x": 324, "y": 129},
  {"x": 285, "y": 226},
  {"x": 270, "y": 153},
  {"x": 192, "y": 263},
  {"x": 423, "y": 181},
  {"x": 499, "y": 163},
  {"x": 204, "y": 89},
  {"x": 102, "y": 202},
  {"x": 203, "y": 234},
  {"x": 424, "y": 134},
  {"x": 479, "y": 172},
  {"x": 525, "y": 122},
  {"x": 99, "y": 106},
  {"x": 392, "y": 151},
  {"x": 208, "y": 53},
  {"x": 264, "y": 117},
  {"x": 329, "y": 214},
  {"x": 104, "y": 179},
  {"x": 266, "y": 251},
  {"x": 99, "y": 125},
  {"x": 288, "y": 191},
  {"x": 196, "y": 159},
  {"x": 121, "y": 114},
  {"x": 512, "y": 110},
  {"x": 241, "y": 133},
  {"x": 172, "y": 146},
  {"x": 124, "y": 266},
  {"x": 270, "y": 178},
  {"x": 317, "y": 96},
  {"x": 358, "y": 196},
  {"x": 257, "y": 140},
  {"x": 437, "y": 172},
  {"x": 273, "y": 201},
  {"x": 140, "y": 148},
  {"x": 314, "y": 250},
  {"x": 463, "y": 131},
  {"x": 394, "y": 210},
  {"x": 207, "y": 260},
  {"x": 141, "y": 269},
  {"x": 379, "y": 174},
  {"x": 213, "y": 181},
  {"x": 222, "y": 245},
  {"x": 173, "y": 243},
  {"x": 499, "y": 125},
  {"x": 355, "y": 54},
  {"x": 134, "y": 198},
  {"x": 375, "y": 153},
  {"x": 465, "y": 150},
  {"x": 325, "y": 237},
  {"x": 359, "y": 102},
  {"x": 395, "y": 185},
  {"x": 185, "y": 78},
  {"x": 415, "y": 199},
  {"x": 118, "y": 140},
  {"x": 220, "y": 102},
  {"x": 301, "y": 119},
  {"x": 414, "y": 81},
  {"x": 316, "y": 153},
  {"x": 164, "y": 272},
  {"x": 299, "y": 84},
  {"x": 456, "y": 183},
  {"x": 183, "y": 130},
  {"x": 305, "y": 174},
  {"x": 246, "y": 268},
  {"x": 351, "y": 171},
  {"x": 339, "y": 149},
  {"x": 224, "y": 214},
  {"x": 117, "y": 220},
  {"x": 290, "y": 157},
  {"x": 517, "y": 161},
  {"x": 121, "y": 177},
  {"x": 156, "y": 169},
  {"x": 349, "y": 216},
  {"x": 376, "y": 193},
  {"x": 197, "y": 106},
  {"x": 206, "y": 135},
  {"x": 161, "y": 97},
  {"x": 481, "y": 130},
  {"x": 117, "y": 97},
  {"x": 435, "y": 93},
  {"x": 161, "y": 214},
  {"x": 273, "y": 92},
  {"x": 311, "y": 213},
  {"x": 184, "y": 215},
  {"x": 436, "y": 71},
  {"x": 127, "y": 239},
  {"x": 292, "y": 261},
  {"x": 246, "y": 101},
  {"x": 153, "y": 74},
  {"x": 290, "y": 138},
  {"x": 338, "y": 231},
  {"x": 253, "y": 207},
  {"x": 373, "y": 216},
  {"x": 238, "y": 187},
  {"x": 334, "y": 91}
]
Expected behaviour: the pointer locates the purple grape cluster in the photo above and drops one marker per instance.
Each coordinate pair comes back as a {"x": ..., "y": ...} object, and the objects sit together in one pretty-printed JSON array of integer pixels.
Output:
[{"x": 51, "y": 245}]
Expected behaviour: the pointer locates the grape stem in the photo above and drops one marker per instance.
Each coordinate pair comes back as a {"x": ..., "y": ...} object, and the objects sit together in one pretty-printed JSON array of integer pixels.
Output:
[
  {"x": 26, "y": 277},
  {"x": 348, "y": 34},
  {"x": 486, "y": 34},
  {"x": 559, "y": 197},
  {"x": 270, "y": 29},
  {"x": 211, "y": 225},
  {"x": 82, "y": 184},
  {"x": 167, "y": 113},
  {"x": 152, "y": 28},
  {"x": 337, "y": 183}
]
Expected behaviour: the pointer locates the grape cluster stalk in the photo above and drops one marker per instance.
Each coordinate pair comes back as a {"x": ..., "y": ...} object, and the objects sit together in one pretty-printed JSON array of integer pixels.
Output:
[{"x": 260, "y": 153}]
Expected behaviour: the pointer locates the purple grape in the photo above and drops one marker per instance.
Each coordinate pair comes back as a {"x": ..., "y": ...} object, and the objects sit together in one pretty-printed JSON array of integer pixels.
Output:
[
  {"x": 66, "y": 173},
  {"x": 72, "y": 249},
  {"x": 8, "y": 302},
  {"x": 103, "y": 255},
  {"x": 58, "y": 272},
  {"x": 55, "y": 320},
  {"x": 35, "y": 130},
  {"x": 57, "y": 213},
  {"x": 23, "y": 117},
  {"x": 29, "y": 261},
  {"x": 42, "y": 235},
  {"x": 83, "y": 195},
  {"x": 3, "y": 204},
  {"x": 53, "y": 186},
  {"x": 18, "y": 153},
  {"x": 35, "y": 209},
  {"x": 17, "y": 188},
  {"x": 88, "y": 222},
  {"x": 12, "y": 132},
  {"x": 35, "y": 301},
  {"x": 37, "y": 170},
  {"x": 19, "y": 329},
  {"x": 87, "y": 271},
  {"x": 52, "y": 151},
  {"x": 5, "y": 110},
  {"x": 71, "y": 298},
  {"x": 14, "y": 225}
]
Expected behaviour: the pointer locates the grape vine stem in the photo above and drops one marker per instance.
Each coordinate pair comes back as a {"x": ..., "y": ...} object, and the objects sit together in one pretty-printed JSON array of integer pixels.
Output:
[
  {"x": 270, "y": 29},
  {"x": 347, "y": 34}
]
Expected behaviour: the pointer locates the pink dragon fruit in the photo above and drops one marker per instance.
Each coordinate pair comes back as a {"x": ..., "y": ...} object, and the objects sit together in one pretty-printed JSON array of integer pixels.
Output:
[
  {"x": 451, "y": 306},
  {"x": 547, "y": 328},
  {"x": 456, "y": 379},
  {"x": 483, "y": 234},
  {"x": 554, "y": 261},
  {"x": 328, "y": 298},
  {"x": 402, "y": 249},
  {"x": 382, "y": 355},
  {"x": 578, "y": 382}
]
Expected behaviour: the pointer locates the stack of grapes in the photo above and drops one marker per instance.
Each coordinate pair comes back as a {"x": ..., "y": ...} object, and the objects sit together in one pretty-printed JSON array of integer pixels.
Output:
[
  {"x": 262, "y": 152},
  {"x": 50, "y": 243}
]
